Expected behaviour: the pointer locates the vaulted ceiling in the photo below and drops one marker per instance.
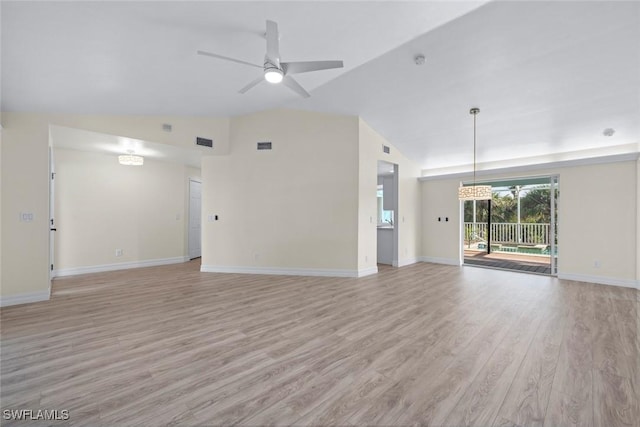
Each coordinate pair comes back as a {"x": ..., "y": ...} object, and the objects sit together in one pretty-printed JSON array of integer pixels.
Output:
[{"x": 548, "y": 76}]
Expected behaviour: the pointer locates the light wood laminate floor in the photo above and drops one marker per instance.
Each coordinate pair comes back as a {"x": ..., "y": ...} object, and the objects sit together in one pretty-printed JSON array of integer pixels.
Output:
[{"x": 420, "y": 345}]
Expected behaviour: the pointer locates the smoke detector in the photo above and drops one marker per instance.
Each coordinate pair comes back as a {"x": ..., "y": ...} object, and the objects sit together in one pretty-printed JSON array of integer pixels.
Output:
[{"x": 419, "y": 59}]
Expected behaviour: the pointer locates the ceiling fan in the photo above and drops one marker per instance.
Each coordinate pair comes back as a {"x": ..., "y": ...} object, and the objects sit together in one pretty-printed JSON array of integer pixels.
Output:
[{"x": 275, "y": 71}]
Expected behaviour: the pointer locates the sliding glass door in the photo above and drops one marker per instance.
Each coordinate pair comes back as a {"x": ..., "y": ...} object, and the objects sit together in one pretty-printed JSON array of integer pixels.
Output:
[{"x": 516, "y": 229}]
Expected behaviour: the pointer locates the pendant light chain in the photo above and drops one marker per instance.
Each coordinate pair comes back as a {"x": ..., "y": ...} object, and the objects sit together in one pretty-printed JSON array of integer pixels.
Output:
[
  {"x": 474, "y": 145},
  {"x": 474, "y": 192}
]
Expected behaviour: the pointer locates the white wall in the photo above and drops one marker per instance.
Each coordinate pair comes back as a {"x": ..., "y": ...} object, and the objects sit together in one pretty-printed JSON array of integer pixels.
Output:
[
  {"x": 291, "y": 209},
  {"x": 407, "y": 219},
  {"x": 102, "y": 206},
  {"x": 597, "y": 221},
  {"x": 25, "y": 183}
]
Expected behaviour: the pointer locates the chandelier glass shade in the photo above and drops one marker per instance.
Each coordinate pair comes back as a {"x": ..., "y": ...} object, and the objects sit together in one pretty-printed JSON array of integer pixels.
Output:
[
  {"x": 474, "y": 192},
  {"x": 130, "y": 160}
]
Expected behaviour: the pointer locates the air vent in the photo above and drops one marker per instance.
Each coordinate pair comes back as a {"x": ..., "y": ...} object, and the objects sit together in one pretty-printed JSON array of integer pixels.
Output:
[
  {"x": 204, "y": 142},
  {"x": 386, "y": 149},
  {"x": 167, "y": 127},
  {"x": 264, "y": 146}
]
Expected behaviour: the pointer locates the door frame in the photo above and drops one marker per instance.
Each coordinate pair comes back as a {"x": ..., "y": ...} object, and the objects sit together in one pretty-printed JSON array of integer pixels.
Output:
[
  {"x": 189, "y": 181},
  {"x": 554, "y": 189}
]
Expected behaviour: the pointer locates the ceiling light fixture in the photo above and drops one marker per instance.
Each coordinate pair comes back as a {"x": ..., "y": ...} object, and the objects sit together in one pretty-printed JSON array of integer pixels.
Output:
[
  {"x": 474, "y": 192},
  {"x": 130, "y": 159},
  {"x": 273, "y": 74}
]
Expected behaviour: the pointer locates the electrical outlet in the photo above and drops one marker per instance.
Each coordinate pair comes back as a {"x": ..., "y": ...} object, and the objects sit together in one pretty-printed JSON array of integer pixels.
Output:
[
  {"x": 119, "y": 252},
  {"x": 366, "y": 258},
  {"x": 256, "y": 257},
  {"x": 596, "y": 263}
]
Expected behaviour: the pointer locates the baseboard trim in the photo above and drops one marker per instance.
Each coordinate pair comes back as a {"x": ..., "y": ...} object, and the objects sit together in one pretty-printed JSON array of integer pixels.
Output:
[
  {"x": 367, "y": 271},
  {"x": 601, "y": 280},
  {"x": 74, "y": 271},
  {"x": 286, "y": 271},
  {"x": 25, "y": 298},
  {"x": 436, "y": 260},
  {"x": 404, "y": 262}
]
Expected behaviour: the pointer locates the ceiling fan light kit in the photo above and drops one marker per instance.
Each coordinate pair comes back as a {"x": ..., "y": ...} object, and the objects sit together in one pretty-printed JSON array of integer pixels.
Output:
[
  {"x": 275, "y": 71},
  {"x": 273, "y": 75}
]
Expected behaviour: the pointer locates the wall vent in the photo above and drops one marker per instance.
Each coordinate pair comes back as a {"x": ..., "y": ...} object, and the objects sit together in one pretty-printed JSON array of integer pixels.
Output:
[
  {"x": 167, "y": 127},
  {"x": 204, "y": 142},
  {"x": 264, "y": 145},
  {"x": 386, "y": 149}
]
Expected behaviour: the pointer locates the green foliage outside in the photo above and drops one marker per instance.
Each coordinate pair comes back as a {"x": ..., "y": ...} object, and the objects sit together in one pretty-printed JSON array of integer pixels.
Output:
[{"x": 535, "y": 206}]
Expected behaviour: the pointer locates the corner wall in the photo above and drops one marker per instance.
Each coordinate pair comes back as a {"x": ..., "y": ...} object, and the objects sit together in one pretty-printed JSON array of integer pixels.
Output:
[{"x": 289, "y": 210}]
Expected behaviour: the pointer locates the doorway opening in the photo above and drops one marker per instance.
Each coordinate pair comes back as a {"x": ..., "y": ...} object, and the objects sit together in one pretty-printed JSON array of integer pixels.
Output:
[
  {"x": 517, "y": 229},
  {"x": 195, "y": 218},
  {"x": 387, "y": 207}
]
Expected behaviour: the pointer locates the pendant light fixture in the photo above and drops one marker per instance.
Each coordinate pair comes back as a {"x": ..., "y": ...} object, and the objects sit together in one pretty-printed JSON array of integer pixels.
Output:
[
  {"x": 130, "y": 159},
  {"x": 474, "y": 192}
]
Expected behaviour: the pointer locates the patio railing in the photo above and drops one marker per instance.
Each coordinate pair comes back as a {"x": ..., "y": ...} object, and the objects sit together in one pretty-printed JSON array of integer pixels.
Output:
[{"x": 502, "y": 232}]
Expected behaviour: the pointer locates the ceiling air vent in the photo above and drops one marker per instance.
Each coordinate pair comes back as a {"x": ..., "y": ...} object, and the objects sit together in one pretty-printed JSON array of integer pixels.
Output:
[
  {"x": 264, "y": 145},
  {"x": 386, "y": 149},
  {"x": 204, "y": 142}
]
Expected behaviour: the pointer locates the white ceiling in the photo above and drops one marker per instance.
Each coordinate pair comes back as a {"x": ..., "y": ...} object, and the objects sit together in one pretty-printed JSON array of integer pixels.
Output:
[{"x": 548, "y": 76}]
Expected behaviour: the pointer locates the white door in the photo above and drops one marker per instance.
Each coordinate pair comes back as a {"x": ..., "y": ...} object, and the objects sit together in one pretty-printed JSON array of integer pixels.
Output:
[
  {"x": 195, "y": 218},
  {"x": 52, "y": 223}
]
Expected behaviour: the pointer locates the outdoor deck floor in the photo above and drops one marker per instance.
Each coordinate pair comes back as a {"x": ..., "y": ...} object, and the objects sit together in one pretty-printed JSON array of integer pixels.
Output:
[{"x": 517, "y": 262}]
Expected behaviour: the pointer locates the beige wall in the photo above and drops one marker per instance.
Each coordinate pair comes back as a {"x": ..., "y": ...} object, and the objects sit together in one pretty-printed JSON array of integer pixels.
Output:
[
  {"x": 101, "y": 206},
  {"x": 407, "y": 221},
  {"x": 292, "y": 208},
  {"x": 441, "y": 239},
  {"x": 597, "y": 220},
  {"x": 25, "y": 185}
]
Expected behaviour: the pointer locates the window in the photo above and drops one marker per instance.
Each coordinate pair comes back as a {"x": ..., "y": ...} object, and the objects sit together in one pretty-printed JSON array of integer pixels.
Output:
[{"x": 384, "y": 217}]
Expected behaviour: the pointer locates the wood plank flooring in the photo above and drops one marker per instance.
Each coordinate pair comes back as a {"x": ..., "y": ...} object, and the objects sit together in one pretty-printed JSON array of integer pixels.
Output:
[{"x": 420, "y": 345}]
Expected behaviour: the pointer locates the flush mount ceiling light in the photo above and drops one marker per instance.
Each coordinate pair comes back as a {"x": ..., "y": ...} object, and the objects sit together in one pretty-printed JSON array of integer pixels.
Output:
[
  {"x": 474, "y": 192},
  {"x": 130, "y": 159}
]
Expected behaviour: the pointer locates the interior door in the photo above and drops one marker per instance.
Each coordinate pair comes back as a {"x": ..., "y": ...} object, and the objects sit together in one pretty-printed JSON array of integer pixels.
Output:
[{"x": 195, "y": 218}]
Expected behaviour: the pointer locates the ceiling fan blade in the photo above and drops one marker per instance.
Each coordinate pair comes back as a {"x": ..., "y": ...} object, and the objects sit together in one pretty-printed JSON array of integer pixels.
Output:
[
  {"x": 252, "y": 84},
  {"x": 306, "y": 66},
  {"x": 292, "y": 84},
  {"x": 273, "y": 45},
  {"x": 226, "y": 58}
]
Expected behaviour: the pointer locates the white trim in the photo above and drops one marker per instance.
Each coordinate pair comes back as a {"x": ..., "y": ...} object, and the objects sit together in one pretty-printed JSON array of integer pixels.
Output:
[
  {"x": 367, "y": 271},
  {"x": 25, "y": 298},
  {"x": 119, "y": 266},
  {"x": 436, "y": 260},
  {"x": 601, "y": 280},
  {"x": 286, "y": 271},
  {"x": 534, "y": 167},
  {"x": 404, "y": 262}
]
